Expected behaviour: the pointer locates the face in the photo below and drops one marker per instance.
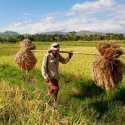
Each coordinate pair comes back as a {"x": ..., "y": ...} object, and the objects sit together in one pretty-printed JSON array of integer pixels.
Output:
[{"x": 56, "y": 51}]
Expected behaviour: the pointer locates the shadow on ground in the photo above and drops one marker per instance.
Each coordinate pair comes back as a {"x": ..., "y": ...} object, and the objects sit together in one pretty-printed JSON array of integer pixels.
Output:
[
  {"x": 94, "y": 102},
  {"x": 80, "y": 88},
  {"x": 13, "y": 75}
]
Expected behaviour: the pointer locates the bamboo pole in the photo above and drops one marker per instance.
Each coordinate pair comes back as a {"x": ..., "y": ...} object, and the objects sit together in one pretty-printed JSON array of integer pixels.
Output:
[
  {"x": 63, "y": 51},
  {"x": 74, "y": 52}
]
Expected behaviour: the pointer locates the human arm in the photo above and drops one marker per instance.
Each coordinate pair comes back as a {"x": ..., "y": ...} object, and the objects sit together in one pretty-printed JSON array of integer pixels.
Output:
[
  {"x": 45, "y": 67},
  {"x": 65, "y": 60}
]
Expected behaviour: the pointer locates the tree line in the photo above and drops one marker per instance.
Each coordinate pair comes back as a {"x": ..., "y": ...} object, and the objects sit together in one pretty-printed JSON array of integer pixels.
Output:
[{"x": 71, "y": 36}]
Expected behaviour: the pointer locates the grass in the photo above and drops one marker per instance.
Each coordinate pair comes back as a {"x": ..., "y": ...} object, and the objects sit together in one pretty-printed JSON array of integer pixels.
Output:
[{"x": 80, "y": 101}]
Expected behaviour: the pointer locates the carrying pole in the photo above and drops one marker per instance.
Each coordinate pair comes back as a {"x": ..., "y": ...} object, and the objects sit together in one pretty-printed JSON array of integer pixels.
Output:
[{"x": 63, "y": 51}]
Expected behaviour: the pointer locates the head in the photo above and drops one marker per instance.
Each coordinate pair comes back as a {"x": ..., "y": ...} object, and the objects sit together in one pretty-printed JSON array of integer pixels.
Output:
[
  {"x": 55, "y": 47},
  {"x": 27, "y": 44}
]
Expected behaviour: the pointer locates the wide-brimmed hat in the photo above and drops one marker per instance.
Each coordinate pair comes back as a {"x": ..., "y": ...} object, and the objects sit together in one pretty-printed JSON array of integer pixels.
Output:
[{"x": 55, "y": 46}]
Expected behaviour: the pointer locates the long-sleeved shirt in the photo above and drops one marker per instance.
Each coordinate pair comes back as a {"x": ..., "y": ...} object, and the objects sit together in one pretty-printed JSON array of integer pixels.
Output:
[{"x": 50, "y": 65}]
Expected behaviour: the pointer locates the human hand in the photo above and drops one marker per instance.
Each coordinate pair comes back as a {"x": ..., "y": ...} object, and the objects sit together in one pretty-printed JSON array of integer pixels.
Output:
[
  {"x": 70, "y": 54},
  {"x": 46, "y": 80}
]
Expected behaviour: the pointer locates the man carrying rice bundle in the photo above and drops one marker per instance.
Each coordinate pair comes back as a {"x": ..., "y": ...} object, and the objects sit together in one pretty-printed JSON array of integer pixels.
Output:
[{"x": 50, "y": 68}]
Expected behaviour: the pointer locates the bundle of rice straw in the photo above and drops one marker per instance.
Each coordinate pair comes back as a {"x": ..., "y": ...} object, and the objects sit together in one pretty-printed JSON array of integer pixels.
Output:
[
  {"x": 108, "y": 69},
  {"x": 25, "y": 59}
]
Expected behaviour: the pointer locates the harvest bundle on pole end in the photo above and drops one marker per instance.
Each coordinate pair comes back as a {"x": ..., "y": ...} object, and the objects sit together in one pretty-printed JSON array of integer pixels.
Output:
[
  {"x": 25, "y": 59},
  {"x": 107, "y": 68}
]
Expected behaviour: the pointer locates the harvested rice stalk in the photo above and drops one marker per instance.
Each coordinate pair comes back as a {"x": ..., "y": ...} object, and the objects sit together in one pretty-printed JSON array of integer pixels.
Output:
[
  {"x": 25, "y": 59},
  {"x": 107, "y": 68}
]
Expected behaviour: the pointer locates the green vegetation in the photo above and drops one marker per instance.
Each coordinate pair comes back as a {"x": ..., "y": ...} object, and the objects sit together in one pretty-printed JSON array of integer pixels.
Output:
[
  {"x": 14, "y": 37},
  {"x": 80, "y": 101}
]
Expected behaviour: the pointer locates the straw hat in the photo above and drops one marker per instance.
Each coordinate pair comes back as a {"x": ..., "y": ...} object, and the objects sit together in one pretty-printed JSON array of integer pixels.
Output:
[{"x": 54, "y": 47}]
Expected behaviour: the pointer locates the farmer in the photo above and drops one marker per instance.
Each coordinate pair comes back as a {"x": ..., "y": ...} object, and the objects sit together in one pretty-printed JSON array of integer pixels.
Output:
[{"x": 50, "y": 68}]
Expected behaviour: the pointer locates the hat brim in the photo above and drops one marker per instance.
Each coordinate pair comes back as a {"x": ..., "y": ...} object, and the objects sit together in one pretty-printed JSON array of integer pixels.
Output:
[{"x": 54, "y": 49}]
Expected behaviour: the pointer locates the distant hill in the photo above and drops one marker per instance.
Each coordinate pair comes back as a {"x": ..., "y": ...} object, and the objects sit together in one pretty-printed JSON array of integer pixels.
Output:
[
  {"x": 83, "y": 33},
  {"x": 79, "y": 33},
  {"x": 9, "y": 34},
  {"x": 54, "y": 32}
]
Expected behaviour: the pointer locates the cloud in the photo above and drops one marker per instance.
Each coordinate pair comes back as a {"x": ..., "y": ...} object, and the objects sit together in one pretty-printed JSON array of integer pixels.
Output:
[
  {"x": 92, "y": 6},
  {"x": 47, "y": 24},
  {"x": 98, "y": 15}
]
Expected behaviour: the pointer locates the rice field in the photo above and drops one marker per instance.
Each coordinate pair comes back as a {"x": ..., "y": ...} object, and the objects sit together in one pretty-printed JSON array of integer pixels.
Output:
[{"x": 80, "y": 101}]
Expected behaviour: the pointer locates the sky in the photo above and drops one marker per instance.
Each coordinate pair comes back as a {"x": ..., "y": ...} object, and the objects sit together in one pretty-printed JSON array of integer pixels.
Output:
[{"x": 37, "y": 16}]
